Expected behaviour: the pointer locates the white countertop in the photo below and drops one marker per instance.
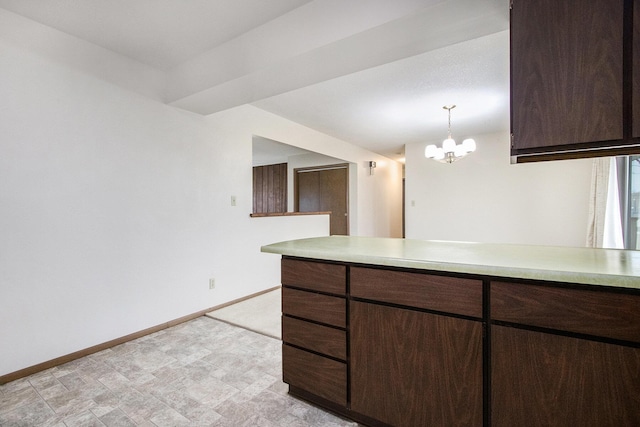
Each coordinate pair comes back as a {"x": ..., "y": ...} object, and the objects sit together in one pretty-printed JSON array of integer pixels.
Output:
[{"x": 607, "y": 267}]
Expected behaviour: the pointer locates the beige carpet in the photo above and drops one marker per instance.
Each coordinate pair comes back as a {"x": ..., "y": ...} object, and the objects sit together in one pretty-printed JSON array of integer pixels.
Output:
[{"x": 259, "y": 314}]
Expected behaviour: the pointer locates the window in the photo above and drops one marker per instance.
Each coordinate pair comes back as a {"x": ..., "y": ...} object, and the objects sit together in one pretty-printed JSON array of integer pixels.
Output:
[
  {"x": 631, "y": 181},
  {"x": 614, "y": 211}
]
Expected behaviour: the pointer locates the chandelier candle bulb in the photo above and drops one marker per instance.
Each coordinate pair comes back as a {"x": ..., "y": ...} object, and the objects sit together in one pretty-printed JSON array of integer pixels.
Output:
[
  {"x": 430, "y": 151},
  {"x": 449, "y": 145},
  {"x": 469, "y": 145}
]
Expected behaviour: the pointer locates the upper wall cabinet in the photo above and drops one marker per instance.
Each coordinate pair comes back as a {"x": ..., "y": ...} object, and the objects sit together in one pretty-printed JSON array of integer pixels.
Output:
[
  {"x": 636, "y": 69},
  {"x": 574, "y": 78}
]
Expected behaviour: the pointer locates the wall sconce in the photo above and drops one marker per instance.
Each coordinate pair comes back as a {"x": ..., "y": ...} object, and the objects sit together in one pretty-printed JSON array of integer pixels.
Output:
[{"x": 372, "y": 168}]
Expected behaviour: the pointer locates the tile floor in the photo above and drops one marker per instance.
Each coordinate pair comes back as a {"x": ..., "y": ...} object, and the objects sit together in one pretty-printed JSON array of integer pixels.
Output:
[
  {"x": 259, "y": 314},
  {"x": 200, "y": 373}
]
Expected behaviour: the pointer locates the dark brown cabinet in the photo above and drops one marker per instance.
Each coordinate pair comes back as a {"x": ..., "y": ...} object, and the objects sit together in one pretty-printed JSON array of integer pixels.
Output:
[
  {"x": 613, "y": 315},
  {"x": 540, "y": 379},
  {"x": 314, "y": 349},
  {"x": 310, "y": 372},
  {"x": 564, "y": 356},
  {"x": 390, "y": 346},
  {"x": 572, "y": 79},
  {"x": 437, "y": 293},
  {"x": 410, "y": 368},
  {"x": 636, "y": 69}
]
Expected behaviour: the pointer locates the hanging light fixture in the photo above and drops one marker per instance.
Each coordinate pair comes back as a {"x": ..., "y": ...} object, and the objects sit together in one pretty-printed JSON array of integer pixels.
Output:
[{"x": 450, "y": 151}]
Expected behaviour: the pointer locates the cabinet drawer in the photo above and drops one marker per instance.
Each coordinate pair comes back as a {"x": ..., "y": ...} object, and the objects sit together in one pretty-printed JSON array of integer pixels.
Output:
[
  {"x": 609, "y": 315},
  {"x": 316, "y": 374},
  {"x": 317, "y": 307},
  {"x": 439, "y": 293},
  {"x": 315, "y": 276},
  {"x": 322, "y": 339}
]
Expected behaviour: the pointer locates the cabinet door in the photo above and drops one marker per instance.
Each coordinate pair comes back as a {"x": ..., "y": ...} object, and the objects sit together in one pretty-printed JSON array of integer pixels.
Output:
[
  {"x": 410, "y": 368},
  {"x": 540, "y": 379},
  {"x": 566, "y": 74}
]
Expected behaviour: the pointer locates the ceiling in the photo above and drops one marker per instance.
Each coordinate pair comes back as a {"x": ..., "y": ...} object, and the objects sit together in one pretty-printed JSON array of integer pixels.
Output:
[{"x": 374, "y": 73}]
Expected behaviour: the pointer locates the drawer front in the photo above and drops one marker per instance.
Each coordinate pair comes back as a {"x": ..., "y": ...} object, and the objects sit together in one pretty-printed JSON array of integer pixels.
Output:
[
  {"x": 314, "y": 276},
  {"x": 322, "y": 339},
  {"x": 603, "y": 314},
  {"x": 317, "y": 307},
  {"x": 316, "y": 374},
  {"x": 446, "y": 294}
]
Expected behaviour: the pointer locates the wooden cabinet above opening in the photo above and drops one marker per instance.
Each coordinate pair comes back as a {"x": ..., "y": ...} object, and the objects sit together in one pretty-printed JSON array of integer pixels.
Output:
[{"x": 575, "y": 79}]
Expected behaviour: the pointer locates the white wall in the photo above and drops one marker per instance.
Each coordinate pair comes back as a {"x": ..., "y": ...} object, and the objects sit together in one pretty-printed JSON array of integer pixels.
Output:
[
  {"x": 484, "y": 198},
  {"x": 115, "y": 209},
  {"x": 378, "y": 198},
  {"x": 104, "y": 199}
]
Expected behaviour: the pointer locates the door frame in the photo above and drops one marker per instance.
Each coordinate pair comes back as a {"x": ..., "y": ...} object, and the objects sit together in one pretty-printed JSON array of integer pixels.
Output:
[{"x": 296, "y": 204}]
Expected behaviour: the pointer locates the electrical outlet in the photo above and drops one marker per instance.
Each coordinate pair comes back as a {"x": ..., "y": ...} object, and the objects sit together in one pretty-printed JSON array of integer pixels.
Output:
[
  {"x": 212, "y": 283},
  {"x": 233, "y": 200}
]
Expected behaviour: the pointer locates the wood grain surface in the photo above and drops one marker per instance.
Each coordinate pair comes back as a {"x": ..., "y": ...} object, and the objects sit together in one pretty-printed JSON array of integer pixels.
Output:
[
  {"x": 318, "y": 338},
  {"x": 636, "y": 69},
  {"x": 548, "y": 380},
  {"x": 415, "y": 369},
  {"x": 566, "y": 72},
  {"x": 315, "y": 276},
  {"x": 603, "y": 314},
  {"x": 315, "y": 374},
  {"x": 440, "y": 293},
  {"x": 320, "y": 308}
]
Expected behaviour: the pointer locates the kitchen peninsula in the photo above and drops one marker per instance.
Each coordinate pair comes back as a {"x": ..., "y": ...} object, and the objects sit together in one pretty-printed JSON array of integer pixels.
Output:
[{"x": 413, "y": 333}]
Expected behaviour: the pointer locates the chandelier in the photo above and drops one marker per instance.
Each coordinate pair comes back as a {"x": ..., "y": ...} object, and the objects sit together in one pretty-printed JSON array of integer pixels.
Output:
[{"x": 450, "y": 151}]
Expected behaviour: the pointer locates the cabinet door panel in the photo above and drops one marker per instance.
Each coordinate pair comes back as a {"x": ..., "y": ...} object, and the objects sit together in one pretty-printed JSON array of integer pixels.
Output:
[
  {"x": 566, "y": 73},
  {"x": 546, "y": 380},
  {"x": 415, "y": 369}
]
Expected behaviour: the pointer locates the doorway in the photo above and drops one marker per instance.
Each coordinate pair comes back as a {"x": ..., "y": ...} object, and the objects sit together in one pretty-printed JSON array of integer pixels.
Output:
[{"x": 324, "y": 189}]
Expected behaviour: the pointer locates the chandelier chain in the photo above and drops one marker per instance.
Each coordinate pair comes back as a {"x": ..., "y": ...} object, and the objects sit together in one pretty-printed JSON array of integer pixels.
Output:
[{"x": 449, "y": 108}]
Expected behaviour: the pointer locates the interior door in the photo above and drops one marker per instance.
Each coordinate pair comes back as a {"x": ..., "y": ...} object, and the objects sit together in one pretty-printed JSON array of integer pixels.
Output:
[{"x": 325, "y": 189}]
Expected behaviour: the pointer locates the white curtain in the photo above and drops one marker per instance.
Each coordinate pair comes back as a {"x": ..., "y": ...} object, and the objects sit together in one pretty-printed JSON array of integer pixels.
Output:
[{"x": 604, "y": 229}]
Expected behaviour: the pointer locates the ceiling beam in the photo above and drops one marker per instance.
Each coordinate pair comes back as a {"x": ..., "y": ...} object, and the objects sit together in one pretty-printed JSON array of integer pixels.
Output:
[{"x": 433, "y": 27}]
